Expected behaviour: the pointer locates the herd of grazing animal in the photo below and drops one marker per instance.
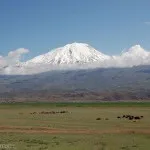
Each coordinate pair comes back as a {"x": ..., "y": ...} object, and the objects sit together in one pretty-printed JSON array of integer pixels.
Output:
[
  {"x": 131, "y": 117},
  {"x": 50, "y": 112}
]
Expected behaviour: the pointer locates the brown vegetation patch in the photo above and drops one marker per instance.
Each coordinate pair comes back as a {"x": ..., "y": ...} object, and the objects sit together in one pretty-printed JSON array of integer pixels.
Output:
[{"x": 10, "y": 129}]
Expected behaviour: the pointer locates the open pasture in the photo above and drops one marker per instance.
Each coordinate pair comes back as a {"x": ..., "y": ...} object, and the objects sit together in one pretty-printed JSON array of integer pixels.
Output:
[{"x": 75, "y": 126}]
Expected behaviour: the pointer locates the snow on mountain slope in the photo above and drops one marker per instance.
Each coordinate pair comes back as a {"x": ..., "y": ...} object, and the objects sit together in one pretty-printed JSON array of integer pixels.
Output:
[
  {"x": 75, "y": 53},
  {"x": 72, "y": 56}
]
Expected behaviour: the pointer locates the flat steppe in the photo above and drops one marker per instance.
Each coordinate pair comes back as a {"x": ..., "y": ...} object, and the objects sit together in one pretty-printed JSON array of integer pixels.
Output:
[{"x": 74, "y": 126}]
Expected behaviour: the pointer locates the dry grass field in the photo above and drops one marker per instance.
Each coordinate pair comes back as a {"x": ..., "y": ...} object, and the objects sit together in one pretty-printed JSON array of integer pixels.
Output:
[{"x": 45, "y": 126}]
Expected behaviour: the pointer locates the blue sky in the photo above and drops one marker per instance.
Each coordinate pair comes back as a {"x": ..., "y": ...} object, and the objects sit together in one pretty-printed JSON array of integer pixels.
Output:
[{"x": 39, "y": 25}]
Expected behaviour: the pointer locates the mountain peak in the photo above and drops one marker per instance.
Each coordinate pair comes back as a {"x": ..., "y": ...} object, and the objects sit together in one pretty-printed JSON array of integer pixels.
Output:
[
  {"x": 75, "y": 53},
  {"x": 76, "y": 44},
  {"x": 77, "y": 47}
]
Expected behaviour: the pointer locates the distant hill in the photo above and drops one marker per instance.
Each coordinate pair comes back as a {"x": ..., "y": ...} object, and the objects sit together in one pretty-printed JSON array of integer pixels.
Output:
[{"x": 111, "y": 84}]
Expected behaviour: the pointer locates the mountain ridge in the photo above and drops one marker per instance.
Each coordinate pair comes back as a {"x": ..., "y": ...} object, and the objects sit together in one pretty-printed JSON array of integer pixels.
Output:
[{"x": 111, "y": 84}]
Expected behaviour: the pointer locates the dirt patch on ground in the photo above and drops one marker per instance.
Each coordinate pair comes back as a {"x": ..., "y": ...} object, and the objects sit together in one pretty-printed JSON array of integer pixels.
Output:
[{"x": 14, "y": 129}]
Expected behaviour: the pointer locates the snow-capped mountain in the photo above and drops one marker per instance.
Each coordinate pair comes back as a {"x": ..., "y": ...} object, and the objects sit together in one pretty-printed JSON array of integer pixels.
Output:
[
  {"x": 75, "y": 53},
  {"x": 72, "y": 56}
]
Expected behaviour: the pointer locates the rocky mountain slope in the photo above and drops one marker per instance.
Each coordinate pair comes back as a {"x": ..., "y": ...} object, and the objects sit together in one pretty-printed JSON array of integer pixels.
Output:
[{"x": 111, "y": 84}]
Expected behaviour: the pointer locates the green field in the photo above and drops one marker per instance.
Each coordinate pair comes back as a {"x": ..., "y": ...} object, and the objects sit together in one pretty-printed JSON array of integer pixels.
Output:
[{"x": 24, "y": 126}]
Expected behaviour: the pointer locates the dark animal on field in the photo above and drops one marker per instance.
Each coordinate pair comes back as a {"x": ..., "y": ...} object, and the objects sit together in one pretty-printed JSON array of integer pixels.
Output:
[
  {"x": 98, "y": 118},
  {"x": 63, "y": 111},
  {"x": 137, "y": 118},
  {"x": 130, "y": 118},
  {"x": 53, "y": 112}
]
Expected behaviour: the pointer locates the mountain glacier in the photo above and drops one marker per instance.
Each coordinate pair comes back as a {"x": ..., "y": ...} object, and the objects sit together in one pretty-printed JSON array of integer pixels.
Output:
[{"x": 72, "y": 56}]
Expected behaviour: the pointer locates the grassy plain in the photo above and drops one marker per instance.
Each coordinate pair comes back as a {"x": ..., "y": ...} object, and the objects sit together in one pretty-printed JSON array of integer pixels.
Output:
[{"x": 24, "y": 127}]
